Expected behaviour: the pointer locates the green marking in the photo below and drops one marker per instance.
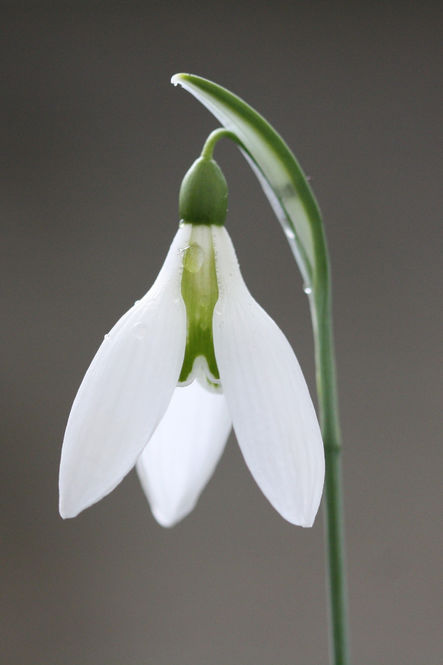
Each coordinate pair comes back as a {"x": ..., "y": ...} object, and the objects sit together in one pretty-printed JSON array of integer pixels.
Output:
[{"x": 200, "y": 293}]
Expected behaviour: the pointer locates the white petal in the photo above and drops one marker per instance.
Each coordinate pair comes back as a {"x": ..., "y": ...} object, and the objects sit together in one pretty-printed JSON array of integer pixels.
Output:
[
  {"x": 268, "y": 399},
  {"x": 183, "y": 452},
  {"x": 126, "y": 390}
]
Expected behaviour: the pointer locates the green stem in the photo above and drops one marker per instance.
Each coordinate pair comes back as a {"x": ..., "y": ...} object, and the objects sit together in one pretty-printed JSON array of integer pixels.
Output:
[
  {"x": 329, "y": 417},
  {"x": 321, "y": 313},
  {"x": 213, "y": 138},
  {"x": 290, "y": 195}
]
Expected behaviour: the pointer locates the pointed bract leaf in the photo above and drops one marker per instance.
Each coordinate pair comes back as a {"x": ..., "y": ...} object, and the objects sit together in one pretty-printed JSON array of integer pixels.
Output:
[{"x": 278, "y": 171}]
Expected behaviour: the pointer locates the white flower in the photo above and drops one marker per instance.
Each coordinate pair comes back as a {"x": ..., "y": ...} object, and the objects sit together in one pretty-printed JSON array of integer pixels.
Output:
[{"x": 196, "y": 354}]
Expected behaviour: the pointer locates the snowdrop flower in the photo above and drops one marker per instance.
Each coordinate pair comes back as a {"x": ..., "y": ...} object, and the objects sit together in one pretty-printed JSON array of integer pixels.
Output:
[{"x": 195, "y": 355}]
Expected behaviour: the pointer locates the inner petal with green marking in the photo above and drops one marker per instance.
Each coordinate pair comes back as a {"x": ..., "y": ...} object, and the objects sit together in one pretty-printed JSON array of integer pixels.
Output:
[{"x": 200, "y": 293}]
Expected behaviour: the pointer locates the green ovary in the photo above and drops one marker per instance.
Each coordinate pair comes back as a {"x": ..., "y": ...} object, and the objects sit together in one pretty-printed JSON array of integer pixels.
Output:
[{"x": 200, "y": 293}]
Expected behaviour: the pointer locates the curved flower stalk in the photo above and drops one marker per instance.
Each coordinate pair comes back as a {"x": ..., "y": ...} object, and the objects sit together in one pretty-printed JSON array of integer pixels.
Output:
[
  {"x": 294, "y": 204},
  {"x": 194, "y": 356}
]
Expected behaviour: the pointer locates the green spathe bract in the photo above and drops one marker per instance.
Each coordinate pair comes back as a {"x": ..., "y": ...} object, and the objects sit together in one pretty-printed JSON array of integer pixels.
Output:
[
  {"x": 277, "y": 169},
  {"x": 290, "y": 195}
]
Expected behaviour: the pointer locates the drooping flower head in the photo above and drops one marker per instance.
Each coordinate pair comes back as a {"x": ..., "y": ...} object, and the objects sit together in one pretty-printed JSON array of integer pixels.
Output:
[{"x": 193, "y": 357}]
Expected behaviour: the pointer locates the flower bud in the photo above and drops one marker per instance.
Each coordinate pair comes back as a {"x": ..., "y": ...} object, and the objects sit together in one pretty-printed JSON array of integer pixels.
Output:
[{"x": 203, "y": 197}]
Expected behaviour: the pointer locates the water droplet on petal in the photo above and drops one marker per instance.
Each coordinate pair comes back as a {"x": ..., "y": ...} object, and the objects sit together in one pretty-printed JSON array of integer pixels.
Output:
[
  {"x": 106, "y": 336},
  {"x": 136, "y": 302},
  {"x": 193, "y": 258},
  {"x": 289, "y": 233},
  {"x": 307, "y": 289},
  {"x": 139, "y": 330}
]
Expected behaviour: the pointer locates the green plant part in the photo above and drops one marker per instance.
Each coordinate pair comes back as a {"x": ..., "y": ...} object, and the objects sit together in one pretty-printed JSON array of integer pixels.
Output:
[{"x": 200, "y": 293}]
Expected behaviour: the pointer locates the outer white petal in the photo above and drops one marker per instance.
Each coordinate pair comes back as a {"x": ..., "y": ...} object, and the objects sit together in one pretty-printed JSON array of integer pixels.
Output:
[
  {"x": 183, "y": 452},
  {"x": 273, "y": 415},
  {"x": 126, "y": 390}
]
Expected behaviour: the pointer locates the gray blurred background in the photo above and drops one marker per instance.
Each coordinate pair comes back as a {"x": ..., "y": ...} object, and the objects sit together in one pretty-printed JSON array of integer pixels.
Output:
[{"x": 95, "y": 142}]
